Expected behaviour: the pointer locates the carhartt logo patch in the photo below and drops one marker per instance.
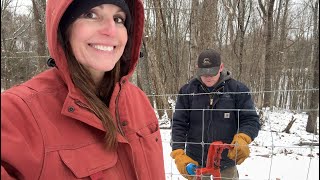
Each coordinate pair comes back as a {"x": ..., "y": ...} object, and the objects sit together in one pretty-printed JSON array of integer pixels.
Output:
[{"x": 226, "y": 115}]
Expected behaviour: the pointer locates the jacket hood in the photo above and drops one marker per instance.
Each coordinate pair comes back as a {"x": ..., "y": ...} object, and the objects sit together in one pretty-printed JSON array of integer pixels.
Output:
[
  {"x": 225, "y": 75},
  {"x": 55, "y": 10}
]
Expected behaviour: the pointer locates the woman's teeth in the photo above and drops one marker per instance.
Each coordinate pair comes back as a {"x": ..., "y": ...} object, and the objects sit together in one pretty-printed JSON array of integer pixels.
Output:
[{"x": 103, "y": 48}]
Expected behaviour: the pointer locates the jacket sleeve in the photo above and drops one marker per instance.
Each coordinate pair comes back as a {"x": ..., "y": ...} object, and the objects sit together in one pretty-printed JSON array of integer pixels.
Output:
[
  {"x": 180, "y": 123},
  {"x": 248, "y": 119},
  {"x": 21, "y": 141}
]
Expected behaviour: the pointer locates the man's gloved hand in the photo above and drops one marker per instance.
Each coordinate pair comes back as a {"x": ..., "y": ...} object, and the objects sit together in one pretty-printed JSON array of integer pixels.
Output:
[
  {"x": 240, "y": 150},
  {"x": 182, "y": 160}
]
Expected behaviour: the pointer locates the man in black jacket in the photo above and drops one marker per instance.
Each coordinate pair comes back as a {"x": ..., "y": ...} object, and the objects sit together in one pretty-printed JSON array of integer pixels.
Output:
[{"x": 219, "y": 109}]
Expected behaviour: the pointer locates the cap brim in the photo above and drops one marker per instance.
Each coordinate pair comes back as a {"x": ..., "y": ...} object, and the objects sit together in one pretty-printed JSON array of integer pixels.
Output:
[{"x": 213, "y": 71}]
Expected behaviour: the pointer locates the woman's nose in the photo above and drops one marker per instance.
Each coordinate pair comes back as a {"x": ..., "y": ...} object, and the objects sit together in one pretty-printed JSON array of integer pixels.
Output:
[{"x": 108, "y": 27}]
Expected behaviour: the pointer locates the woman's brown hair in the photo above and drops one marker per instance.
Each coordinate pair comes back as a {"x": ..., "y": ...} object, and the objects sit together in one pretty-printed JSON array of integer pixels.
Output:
[{"x": 98, "y": 96}]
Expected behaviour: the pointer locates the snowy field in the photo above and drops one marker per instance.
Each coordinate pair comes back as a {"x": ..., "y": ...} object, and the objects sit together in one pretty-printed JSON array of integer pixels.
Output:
[{"x": 275, "y": 155}]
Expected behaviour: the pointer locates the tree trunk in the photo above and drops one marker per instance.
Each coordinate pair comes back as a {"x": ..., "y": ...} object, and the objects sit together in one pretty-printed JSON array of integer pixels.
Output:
[
  {"x": 242, "y": 25},
  {"x": 143, "y": 73},
  {"x": 208, "y": 25},
  {"x": 193, "y": 43},
  {"x": 269, "y": 56},
  {"x": 312, "y": 118},
  {"x": 38, "y": 7}
]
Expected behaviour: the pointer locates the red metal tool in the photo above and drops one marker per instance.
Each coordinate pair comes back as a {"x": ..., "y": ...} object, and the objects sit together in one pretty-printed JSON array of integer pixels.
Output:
[{"x": 213, "y": 160}]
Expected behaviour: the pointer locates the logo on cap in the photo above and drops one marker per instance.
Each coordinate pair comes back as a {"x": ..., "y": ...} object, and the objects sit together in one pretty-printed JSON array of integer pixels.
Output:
[{"x": 206, "y": 62}]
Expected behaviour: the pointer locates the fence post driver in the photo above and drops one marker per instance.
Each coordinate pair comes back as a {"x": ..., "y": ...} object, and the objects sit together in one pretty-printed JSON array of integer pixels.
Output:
[{"x": 213, "y": 161}]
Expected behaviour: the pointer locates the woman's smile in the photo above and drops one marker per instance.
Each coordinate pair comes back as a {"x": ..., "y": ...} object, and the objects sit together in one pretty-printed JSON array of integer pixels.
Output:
[{"x": 102, "y": 47}]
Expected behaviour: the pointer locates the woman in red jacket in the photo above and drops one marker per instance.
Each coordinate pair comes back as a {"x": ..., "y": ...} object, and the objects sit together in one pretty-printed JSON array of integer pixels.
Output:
[{"x": 83, "y": 119}]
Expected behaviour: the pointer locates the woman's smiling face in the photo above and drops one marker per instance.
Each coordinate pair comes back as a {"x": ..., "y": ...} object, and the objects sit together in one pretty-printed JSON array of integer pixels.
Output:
[{"x": 98, "y": 39}]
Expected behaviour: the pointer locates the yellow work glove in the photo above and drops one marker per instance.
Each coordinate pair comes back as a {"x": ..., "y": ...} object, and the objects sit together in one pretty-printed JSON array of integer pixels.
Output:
[
  {"x": 240, "y": 150},
  {"x": 182, "y": 160}
]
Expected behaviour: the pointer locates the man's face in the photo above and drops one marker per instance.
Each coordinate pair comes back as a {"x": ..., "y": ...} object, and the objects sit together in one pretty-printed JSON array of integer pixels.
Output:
[{"x": 211, "y": 80}]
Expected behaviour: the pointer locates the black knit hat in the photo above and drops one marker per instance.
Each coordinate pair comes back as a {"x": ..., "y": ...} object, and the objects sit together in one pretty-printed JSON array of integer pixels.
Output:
[
  {"x": 78, "y": 7},
  {"x": 209, "y": 62}
]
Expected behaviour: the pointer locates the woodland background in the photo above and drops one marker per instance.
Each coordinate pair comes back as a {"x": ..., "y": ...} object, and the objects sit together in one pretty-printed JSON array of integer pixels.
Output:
[{"x": 270, "y": 45}]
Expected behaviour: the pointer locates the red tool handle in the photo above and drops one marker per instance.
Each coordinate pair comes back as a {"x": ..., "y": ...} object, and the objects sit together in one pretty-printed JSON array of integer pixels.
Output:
[{"x": 213, "y": 160}]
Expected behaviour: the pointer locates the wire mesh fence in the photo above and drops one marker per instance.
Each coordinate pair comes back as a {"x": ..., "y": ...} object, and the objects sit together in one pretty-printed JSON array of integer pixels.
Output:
[
  {"x": 273, "y": 149},
  {"x": 275, "y": 152}
]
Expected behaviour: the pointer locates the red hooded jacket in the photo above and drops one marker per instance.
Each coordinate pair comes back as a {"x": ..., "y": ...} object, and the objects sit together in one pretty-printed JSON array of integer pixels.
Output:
[{"x": 47, "y": 133}]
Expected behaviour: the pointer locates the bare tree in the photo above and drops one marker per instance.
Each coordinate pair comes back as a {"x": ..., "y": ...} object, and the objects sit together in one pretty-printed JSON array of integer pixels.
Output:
[
  {"x": 242, "y": 27},
  {"x": 208, "y": 25},
  {"x": 280, "y": 39},
  {"x": 38, "y": 7},
  {"x": 193, "y": 43},
  {"x": 268, "y": 14},
  {"x": 312, "y": 118},
  {"x": 16, "y": 42}
]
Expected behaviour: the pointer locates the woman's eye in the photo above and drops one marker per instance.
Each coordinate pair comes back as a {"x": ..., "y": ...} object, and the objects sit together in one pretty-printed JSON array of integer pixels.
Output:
[
  {"x": 119, "y": 20},
  {"x": 90, "y": 15}
]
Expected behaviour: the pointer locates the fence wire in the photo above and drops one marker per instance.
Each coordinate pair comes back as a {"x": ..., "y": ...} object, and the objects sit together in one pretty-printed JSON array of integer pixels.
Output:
[{"x": 272, "y": 149}]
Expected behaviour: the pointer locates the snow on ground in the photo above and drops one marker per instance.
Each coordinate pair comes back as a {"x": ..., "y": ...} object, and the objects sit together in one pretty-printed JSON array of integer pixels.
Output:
[{"x": 275, "y": 155}]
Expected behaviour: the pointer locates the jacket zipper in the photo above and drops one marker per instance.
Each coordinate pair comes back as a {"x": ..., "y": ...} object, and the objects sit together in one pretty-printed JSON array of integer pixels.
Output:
[
  {"x": 211, "y": 99},
  {"x": 211, "y": 95}
]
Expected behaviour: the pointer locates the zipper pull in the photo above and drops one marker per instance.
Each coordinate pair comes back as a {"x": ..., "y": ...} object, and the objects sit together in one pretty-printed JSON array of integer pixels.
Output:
[{"x": 211, "y": 101}]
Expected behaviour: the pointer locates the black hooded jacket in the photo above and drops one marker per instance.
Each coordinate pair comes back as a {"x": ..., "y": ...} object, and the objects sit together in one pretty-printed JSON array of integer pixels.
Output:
[{"x": 212, "y": 116}]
